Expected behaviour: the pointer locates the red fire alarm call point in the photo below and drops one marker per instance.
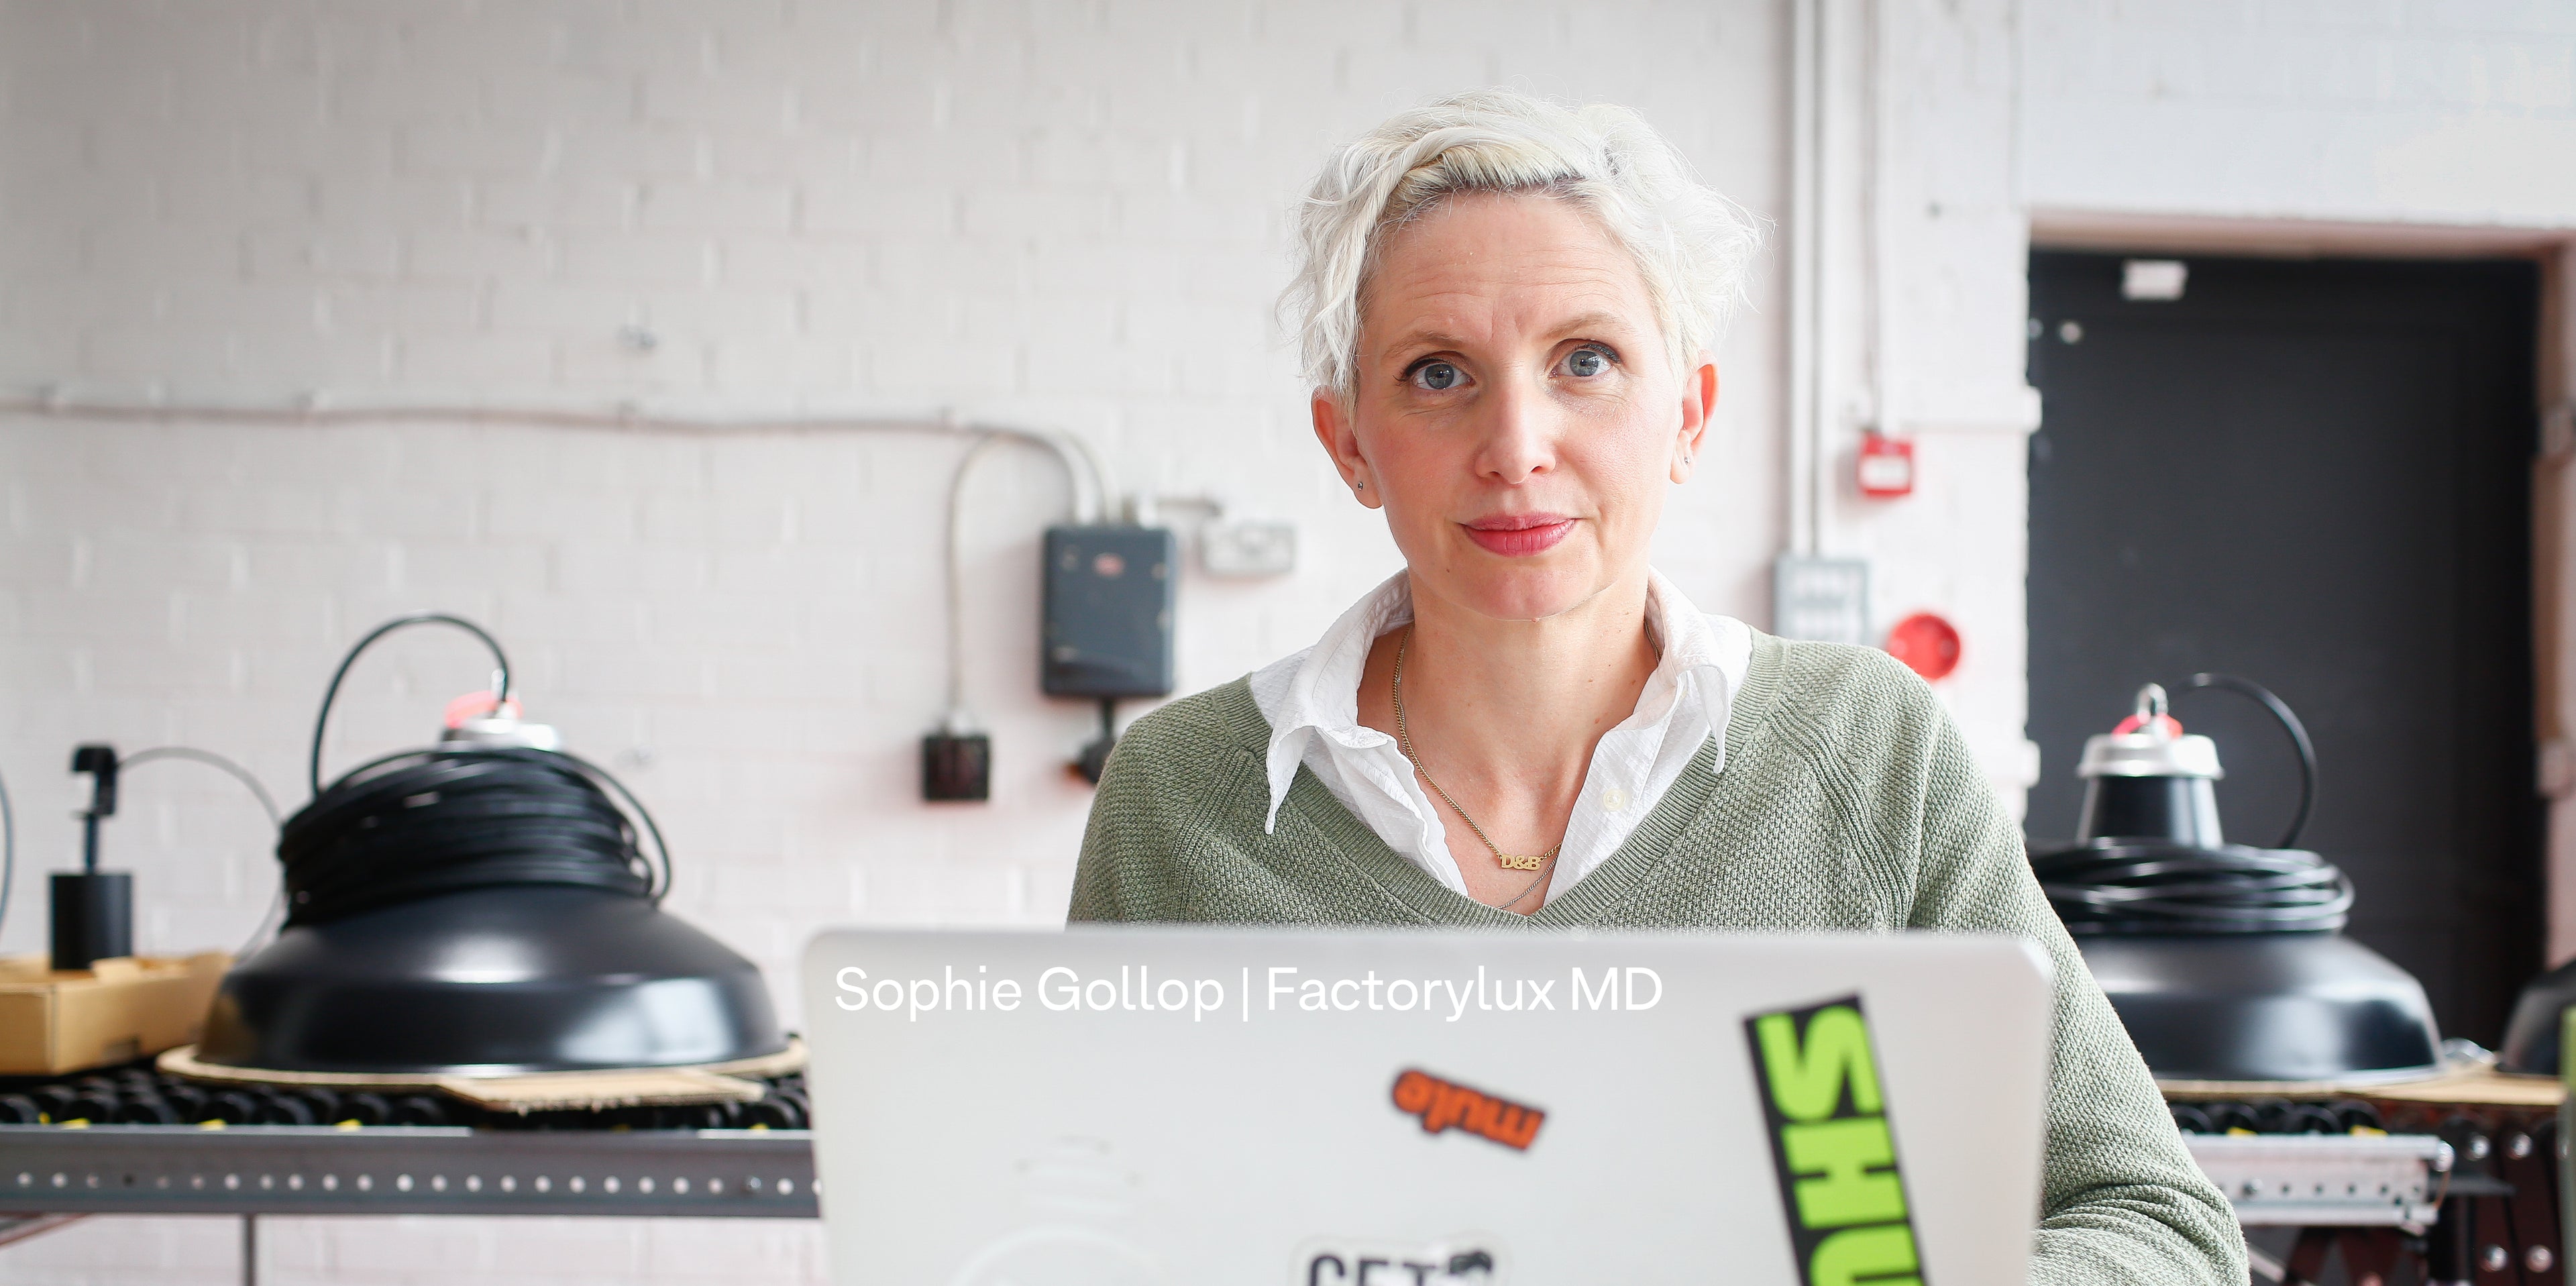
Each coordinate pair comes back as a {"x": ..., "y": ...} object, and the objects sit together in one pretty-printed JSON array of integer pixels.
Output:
[{"x": 1886, "y": 467}]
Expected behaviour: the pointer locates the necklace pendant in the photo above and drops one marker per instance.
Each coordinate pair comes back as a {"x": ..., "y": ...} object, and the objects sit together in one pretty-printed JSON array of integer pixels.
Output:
[{"x": 1512, "y": 862}]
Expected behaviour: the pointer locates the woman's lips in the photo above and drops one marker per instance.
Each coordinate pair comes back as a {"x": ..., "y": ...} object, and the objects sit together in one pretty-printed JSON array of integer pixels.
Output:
[{"x": 1514, "y": 535}]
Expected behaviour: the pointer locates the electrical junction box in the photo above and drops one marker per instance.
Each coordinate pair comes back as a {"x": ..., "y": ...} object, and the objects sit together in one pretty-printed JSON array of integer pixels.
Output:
[{"x": 1107, "y": 612}]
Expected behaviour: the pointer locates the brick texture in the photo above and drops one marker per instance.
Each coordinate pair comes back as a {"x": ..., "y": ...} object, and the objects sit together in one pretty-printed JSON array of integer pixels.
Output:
[
  {"x": 2432, "y": 111},
  {"x": 1061, "y": 214},
  {"x": 1066, "y": 215}
]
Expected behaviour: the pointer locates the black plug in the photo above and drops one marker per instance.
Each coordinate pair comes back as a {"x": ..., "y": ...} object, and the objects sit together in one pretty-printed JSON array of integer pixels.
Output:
[{"x": 1094, "y": 759}]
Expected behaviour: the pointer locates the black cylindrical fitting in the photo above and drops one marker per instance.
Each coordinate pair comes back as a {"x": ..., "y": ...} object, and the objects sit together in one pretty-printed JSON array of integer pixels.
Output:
[
  {"x": 2178, "y": 810},
  {"x": 93, "y": 917}
]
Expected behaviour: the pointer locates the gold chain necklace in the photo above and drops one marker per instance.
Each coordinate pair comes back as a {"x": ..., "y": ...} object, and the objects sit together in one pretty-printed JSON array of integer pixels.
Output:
[{"x": 1404, "y": 742}]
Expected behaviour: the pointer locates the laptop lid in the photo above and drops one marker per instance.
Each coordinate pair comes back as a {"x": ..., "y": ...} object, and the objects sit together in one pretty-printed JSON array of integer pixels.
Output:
[{"x": 1157, "y": 1104}]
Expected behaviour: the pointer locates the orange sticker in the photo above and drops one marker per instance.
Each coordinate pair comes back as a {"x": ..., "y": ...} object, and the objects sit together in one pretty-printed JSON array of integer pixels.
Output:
[{"x": 1447, "y": 1105}]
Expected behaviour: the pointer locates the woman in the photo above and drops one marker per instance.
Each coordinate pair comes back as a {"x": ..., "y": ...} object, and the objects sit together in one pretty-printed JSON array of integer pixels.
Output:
[{"x": 1507, "y": 309}]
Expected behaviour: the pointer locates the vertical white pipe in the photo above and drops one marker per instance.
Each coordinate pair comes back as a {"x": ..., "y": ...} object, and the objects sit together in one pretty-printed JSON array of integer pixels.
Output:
[
  {"x": 1882, "y": 310},
  {"x": 1806, "y": 227}
]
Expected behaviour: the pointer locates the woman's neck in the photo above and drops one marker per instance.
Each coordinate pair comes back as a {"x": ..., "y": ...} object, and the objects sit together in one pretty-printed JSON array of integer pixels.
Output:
[{"x": 1512, "y": 709}]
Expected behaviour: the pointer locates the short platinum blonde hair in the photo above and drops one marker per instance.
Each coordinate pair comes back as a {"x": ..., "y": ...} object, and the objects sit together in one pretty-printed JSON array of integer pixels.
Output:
[{"x": 1692, "y": 244}]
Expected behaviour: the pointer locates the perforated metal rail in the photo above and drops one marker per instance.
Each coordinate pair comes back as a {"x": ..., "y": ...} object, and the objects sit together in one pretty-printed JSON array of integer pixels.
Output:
[{"x": 312, "y": 1170}]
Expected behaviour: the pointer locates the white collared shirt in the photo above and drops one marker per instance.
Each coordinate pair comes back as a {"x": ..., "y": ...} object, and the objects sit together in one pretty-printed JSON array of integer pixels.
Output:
[{"x": 1312, "y": 702}]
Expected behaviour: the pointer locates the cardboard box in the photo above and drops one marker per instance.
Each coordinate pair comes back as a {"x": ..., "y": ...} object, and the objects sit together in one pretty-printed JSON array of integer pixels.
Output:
[{"x": 116, "y": 1011}]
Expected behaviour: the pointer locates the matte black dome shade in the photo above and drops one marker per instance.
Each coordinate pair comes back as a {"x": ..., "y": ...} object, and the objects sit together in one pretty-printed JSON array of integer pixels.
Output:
[
  {"x": 492, "y": 980},
  {"x": 2265, "y": 1006}
]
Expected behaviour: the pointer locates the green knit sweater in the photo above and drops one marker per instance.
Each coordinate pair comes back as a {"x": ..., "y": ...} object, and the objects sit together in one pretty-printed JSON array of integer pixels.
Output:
[{"x": 1847, "y": 801}]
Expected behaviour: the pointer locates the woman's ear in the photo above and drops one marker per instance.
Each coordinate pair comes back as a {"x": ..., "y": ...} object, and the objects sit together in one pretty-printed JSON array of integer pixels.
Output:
[
  {"x": 1342, "y": 443},
  {"x": 1699, "y": 402}
]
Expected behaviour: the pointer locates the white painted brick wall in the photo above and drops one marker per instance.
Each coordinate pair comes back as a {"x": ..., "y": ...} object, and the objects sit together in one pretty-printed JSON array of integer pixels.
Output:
[
  {"x": 2431, "y": 111},
  {"x": 1061, "y": 214}
]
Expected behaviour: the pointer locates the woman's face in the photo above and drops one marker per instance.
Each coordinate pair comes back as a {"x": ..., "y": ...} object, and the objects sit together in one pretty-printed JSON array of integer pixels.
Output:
[{"x": 1515, "y": 410}]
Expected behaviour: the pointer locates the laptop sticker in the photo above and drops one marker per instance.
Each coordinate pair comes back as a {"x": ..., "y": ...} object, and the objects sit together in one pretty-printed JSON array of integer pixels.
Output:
[
  {"x": 1458, "y": 1261},
  {"x": 1447, "y": 1105},
  {"x": 1840, "y": 1188}
]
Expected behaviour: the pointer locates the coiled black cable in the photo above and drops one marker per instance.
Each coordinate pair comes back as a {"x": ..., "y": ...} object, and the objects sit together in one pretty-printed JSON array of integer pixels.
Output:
[
  {"x": 2149, "y": 886},
  {"x": 418, "y": 823}
]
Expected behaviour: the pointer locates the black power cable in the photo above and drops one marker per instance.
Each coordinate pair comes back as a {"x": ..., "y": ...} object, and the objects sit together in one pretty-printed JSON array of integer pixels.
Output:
[
  {"x": 418, "y": 823},
  {"x": 2299, "y": 741},
  {"x": 500, "y": 662},
  {"x": 249, "y": 780},
  {"x": 212, "y": 760}
]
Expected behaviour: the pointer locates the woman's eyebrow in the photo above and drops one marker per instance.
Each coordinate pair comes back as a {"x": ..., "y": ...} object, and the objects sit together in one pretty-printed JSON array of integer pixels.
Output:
[
  {"x": 1594, "y": 322},
  {"x": 1417, "y": 339}
]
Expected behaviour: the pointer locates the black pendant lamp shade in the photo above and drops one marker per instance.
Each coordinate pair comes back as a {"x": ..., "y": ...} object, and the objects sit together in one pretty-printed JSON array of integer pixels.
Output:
[
  {"x": 480, "y": 908},
  {"x": 492, "y": 980},
  {"x": 2225, "y": 962},
  {"x": 2264, "y": 1006}
]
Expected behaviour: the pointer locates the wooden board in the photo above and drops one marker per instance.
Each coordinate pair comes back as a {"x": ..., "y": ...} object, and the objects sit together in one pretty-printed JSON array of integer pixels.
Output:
[
  {"x": 734, "y": 1082},
  {"x": 115, "y": 1011},
  {"x": 2473, "y": 1083}
]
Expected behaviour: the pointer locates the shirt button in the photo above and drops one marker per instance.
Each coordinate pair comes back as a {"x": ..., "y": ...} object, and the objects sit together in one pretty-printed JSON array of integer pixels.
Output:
[{"x": 1614, "y": 800}]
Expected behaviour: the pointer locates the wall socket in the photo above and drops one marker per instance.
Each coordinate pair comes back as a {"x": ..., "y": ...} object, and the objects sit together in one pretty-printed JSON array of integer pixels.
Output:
[
  {"x": 1825, "y": 599},
  {"x": 956, "y": 767},
  {"x": 1248, "y": 548}
]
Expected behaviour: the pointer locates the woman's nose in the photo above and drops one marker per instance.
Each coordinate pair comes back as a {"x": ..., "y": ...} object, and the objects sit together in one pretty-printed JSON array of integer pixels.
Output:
[{"x": 1519, "y": 439}]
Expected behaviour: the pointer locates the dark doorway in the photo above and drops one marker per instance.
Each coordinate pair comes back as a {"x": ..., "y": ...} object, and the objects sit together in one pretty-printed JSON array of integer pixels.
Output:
[{"x": 2314, "y": 474}]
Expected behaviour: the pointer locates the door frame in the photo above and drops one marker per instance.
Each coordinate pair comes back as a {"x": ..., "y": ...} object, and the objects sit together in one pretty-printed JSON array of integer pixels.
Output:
[{"x": 2553, "y": 473}]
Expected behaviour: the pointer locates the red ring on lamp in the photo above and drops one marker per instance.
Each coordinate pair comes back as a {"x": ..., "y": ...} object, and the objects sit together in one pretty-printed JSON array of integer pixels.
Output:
[{"x": 479, "y": 705}]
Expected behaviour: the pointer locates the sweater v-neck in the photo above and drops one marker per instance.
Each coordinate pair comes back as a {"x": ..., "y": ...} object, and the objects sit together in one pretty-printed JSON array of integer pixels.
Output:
[{"x": 1604, "y": 888}]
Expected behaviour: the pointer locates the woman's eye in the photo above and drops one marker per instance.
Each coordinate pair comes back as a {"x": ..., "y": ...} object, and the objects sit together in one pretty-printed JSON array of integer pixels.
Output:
[
  {"x": 1438, "y": 376},
  {"x": 1586, "y": 362}
]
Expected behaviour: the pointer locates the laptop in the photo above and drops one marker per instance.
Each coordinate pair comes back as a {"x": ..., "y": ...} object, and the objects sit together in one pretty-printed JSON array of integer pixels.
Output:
[{"x": 1181, "y": 1105}]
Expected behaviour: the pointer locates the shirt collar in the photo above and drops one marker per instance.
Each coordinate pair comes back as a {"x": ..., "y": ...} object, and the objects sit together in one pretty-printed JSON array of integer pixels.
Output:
[{"x": 1315, "y": 693}]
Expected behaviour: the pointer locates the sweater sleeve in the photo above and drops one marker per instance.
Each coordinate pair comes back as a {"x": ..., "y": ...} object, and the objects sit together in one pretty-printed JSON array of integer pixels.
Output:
[
  {"x": 1149, "y": 818},
  {"x": 2121, "y": 1198},
  {"x": 1130, "y": 819}
]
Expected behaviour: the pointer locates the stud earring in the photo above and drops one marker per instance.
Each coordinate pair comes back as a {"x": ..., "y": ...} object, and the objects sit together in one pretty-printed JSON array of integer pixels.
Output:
[{"x": 1359, "y": 484}]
